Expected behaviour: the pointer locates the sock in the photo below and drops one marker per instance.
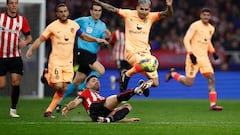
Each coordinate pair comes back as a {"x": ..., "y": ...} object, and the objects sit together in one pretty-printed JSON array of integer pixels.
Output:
[
  {"x": 119, "y": 115},
  {"x": 15, "y": 96},
  {"x": 138, "y": 67},
  {"x": 56, "y": 98},
  {"x": 83, "y": 85},
  {"x": 176, "y": 76},
  {"x": 125, "y": 96},
  {"x": 213, "y": 98},
  {"x": 70, "y": 89}
]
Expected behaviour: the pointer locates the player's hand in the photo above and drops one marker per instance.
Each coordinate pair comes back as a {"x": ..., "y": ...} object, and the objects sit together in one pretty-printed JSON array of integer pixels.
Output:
[
  {"x": 108, "y": 34},
  {"x": 169, "y": 2},
  {"x": 193, "y": 58},
  {"x": 102, "y": 41},
  {"x": 215, "y": 56},
  {"x": 29, "y": 53}
]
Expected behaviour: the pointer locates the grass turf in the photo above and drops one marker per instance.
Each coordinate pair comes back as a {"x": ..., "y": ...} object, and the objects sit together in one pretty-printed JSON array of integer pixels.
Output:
[{"x": 158, "y": 117}]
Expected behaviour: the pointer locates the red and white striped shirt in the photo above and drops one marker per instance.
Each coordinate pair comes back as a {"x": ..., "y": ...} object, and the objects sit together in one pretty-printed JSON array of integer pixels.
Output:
[
  {"x": 10, "y": 32},
  {"x": 89, "y": 97},
  {"x": 118, "y": 41}
]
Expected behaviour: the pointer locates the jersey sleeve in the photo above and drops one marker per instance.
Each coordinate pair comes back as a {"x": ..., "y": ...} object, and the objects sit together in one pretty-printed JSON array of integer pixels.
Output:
[
  {"x": 26, "y": 27},
  {"x": 155, "y": 16},
  {"x": 47, "y": 32},
  {"x": 188, "y": 36}
]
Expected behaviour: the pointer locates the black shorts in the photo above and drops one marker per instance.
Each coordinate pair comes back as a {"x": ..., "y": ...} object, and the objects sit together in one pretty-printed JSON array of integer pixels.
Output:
[
  {"x": 123, "y": 64},
  {"x": 84, "y": 59},
  {"x": 97, "y": 109},
  {"x": 11, "y": 65}
]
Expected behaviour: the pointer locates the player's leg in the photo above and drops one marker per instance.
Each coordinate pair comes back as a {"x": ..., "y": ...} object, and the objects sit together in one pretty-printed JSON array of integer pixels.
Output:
[
  {"x": 208, "y": 73},
  {"x": 188, "y": 80},
  {"x": 97, "y": 69},
  {"x": 134, "y": 60},
  {"x": 56, "y": 98},
  {"x": 45, "y": 71},
  {"x": 16, "y": 72},
  {"x": 117, "y": 114},
  {"x": 15, "y": 93},
  {"x": 78, "y": 79}
]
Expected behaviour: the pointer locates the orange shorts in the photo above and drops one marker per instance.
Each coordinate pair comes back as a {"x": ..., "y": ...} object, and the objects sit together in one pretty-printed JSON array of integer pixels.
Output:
[
  {"x": 60, "y": 73},
  {"x": 134, "y": 58},
  {"x": 203, "y": 65}
]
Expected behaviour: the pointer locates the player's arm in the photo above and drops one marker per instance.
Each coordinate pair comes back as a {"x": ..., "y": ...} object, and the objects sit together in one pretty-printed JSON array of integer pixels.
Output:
[
  {"x": 212, "y": 50},
  {"x": 106, "y": 6},
  {"x": 187, "y": 43},
  {"x": 90, "y": 38},
  {"x": 34, "y": 46},
  {"x": 72, "y": 105},
  {"x": 24, "y": 43},
  {"x": 169, "y": 11}
]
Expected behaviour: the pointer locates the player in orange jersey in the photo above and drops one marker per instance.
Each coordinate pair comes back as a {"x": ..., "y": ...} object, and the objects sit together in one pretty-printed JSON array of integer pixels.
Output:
[
  {"x": 137, "y": 27},
  {"x": 198, "y": 43},
  {"x": 62, "y": 33}
]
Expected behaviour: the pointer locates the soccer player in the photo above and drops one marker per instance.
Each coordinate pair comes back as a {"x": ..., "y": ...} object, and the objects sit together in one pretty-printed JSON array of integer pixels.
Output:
[
  {"x": 137, "y": 27},
  {"x": 87, "y": 51},
  {"x": 102, "y": 109},
  {"x": 197, "y": 41},
  {"x": 118, "y": 53},
  {"x": 12, "y": 25},
  {"x": 62, "y": 33}
]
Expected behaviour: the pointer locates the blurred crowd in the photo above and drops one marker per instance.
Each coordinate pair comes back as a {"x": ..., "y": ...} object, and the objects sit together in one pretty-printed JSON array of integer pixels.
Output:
[{"x": 167, "y": 34}]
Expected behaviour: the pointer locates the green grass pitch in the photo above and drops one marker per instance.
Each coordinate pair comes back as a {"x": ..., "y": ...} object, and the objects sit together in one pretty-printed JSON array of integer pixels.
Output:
[{"x": 158, "y": 117}]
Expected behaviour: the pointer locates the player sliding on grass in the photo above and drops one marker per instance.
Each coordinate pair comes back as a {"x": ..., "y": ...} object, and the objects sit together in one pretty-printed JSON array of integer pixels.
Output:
[
  {"x": 198, "y": 43},
  {"x": 102, "y": 109},
  {"x": 137, "y": 28}
]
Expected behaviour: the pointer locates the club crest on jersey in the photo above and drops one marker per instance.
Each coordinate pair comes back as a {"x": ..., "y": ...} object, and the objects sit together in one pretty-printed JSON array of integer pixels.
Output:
[
  {"x": 72, "y": 30},
  {"x": 210, "y": 32},
  {"x": 139, "y": 27}
]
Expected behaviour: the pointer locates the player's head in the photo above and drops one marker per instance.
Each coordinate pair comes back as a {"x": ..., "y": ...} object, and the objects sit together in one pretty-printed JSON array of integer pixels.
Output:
[
  {"x": 12, "y": 6},
  {"x": 205, "y": 15},
  {"x": 96, "y": 11},
  {"x": 143, "y": 8},
  {"x": 92, "y": 82},
  {"x": 62, "y": 12}
]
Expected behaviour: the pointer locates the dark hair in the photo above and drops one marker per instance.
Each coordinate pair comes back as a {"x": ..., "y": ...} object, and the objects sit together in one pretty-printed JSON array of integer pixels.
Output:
[
  {"x": 8, "y": 1},
  {"x": 60, "y": 5},
  {"x": 206, "y": 9},
  {"x": 94, "y": 4},
  {"x": 89, "y": 77}
]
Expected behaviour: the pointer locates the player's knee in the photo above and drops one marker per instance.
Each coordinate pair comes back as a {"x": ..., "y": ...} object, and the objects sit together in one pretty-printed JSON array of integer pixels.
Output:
[
  {"x": 128, "y": 106},
  {"x": 188, "y": 84}
]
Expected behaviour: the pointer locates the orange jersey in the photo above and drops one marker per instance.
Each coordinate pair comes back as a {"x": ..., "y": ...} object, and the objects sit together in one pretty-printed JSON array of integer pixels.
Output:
[
  {"x": 62, "y": 38},
  {"x": 137, "y": 30},
  {"x": 198, "y": 39}
]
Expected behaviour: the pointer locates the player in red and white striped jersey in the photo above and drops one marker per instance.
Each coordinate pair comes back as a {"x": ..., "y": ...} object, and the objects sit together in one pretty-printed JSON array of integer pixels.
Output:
[
  {"x": 12, "y": 25},
  {"x": 102, "y": 109},
  {"x": 118, "y": 53}
]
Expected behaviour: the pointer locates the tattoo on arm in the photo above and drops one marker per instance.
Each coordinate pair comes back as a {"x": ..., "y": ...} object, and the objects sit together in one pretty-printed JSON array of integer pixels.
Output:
[
  {"x": 107, "y": 6},
  {"x": 168, "y": 12}
]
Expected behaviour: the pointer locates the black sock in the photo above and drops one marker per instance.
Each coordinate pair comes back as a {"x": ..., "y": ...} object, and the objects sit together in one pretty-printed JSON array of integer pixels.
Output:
[
  {"x": 119, "y": 115},
  {"x": 15, "y": 96},
  {"x": 125, "y": 96}
]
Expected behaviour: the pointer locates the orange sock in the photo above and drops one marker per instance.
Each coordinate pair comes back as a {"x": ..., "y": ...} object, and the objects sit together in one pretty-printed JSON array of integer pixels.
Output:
[
  {"x": 213, "y": 98},
  {"x": 56, "y": 98}
]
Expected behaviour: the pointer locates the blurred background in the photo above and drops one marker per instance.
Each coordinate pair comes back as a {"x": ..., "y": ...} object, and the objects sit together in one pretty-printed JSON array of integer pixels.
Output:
[{"x": 166, "y": 41}]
